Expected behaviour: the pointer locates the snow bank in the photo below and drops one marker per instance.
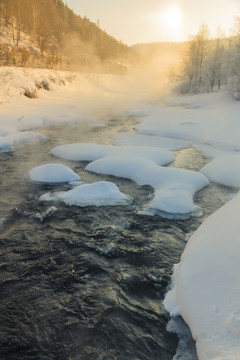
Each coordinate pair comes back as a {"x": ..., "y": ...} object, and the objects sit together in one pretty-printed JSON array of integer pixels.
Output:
[
  {"x": 206, "y": 288},
  {"x": 101, "y": 193},
  {"x": 209, "y": 122},
  {"x": 16, "y": 81},
  {"x": 224, "y": 170},
  {"x": 53, "y": 173},
  {"x": 59, "y": 97}
]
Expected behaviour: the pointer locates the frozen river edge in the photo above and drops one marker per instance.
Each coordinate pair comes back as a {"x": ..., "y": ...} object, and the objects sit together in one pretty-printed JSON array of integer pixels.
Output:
[{"x": 199, "y": 127}]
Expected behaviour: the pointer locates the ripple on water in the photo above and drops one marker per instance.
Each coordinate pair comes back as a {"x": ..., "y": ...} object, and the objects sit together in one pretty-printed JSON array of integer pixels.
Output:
[{"x": 86, "y": 283}]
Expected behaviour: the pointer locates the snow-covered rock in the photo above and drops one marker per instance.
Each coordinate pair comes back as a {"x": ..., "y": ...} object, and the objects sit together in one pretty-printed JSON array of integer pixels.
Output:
[
  {"x": 102, "y": 193},
  {"x": 91, "y": 152},
  {"x": 174, "y": 188},
  {"x": 53, "y": 173}
]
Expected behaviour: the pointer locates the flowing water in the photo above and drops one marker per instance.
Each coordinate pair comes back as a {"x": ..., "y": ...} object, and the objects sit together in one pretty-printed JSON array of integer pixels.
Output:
[{"x": 87, "y": 283}]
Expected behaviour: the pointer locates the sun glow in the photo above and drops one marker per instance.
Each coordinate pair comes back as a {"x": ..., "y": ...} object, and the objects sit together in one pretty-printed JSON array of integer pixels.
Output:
[{"x": 171, "y": 20}]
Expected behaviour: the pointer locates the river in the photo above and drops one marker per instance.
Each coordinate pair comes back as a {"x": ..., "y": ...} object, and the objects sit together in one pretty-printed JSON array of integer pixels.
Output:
[{"x": 87, "y": 283}]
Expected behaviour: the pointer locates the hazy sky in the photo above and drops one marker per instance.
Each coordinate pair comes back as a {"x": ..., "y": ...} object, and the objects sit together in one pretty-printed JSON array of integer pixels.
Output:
[{"x": 134, "y": 21}]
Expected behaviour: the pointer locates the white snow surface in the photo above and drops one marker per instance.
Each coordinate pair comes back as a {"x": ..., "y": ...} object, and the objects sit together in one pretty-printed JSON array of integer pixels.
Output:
[
  {"x": 102, "y": 193},
  {"x": 206, "y": 288},
  {"x": 209, "y": 122},
  {"x": 224, "y": 170},
  {"x": 174, "y": 188},
  {"x": 73, "y": 97},
  {"x": 91, "y": 152},
  {"x": 53, "y": 173},
  {"x": 206, "y": 282}
]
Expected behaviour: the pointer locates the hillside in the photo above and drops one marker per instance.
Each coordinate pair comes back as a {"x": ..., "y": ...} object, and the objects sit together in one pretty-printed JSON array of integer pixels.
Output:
[{"x": 46, "y": 33}]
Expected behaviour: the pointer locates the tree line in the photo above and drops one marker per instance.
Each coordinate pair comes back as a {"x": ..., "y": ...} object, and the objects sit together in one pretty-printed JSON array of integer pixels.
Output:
[
  {"x": 54, "y": 28},
  {"x": 209, "y": 63}
]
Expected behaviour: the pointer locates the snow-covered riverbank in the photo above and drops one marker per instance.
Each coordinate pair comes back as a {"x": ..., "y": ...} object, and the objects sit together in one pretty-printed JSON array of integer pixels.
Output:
[{"x": 208, "y": 122}]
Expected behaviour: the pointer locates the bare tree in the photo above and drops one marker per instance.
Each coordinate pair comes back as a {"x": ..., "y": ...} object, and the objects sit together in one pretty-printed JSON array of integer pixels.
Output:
[
  {"x": 194, "y": 58},
  {"x": 215, "y": 61},
  {"x": 234, "y": 59}
]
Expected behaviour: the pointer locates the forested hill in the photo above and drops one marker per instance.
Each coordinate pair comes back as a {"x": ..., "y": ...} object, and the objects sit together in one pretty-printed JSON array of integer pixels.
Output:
[{"x": 47, "y": 33}]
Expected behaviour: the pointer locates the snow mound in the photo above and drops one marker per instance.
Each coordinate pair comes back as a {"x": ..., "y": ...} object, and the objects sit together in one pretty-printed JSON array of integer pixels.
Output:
[
  {"x": 174, "y": 188},
  {"x": 205, "y": 285},
  {"x": 91, "y": 152},
  {"x": 53, "y": 173},
  {"x": 102, "y": 193},
  {"x": 172, "y": 199},
  {"x": 224, "y": 170}
]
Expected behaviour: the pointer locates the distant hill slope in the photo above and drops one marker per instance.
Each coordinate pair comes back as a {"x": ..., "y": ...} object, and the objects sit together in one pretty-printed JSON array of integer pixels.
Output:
[{"x": 46, "y": 33}]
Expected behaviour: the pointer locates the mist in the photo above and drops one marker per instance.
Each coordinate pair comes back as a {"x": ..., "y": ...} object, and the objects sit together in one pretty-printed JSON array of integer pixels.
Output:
[{"x": 143, "y": 74}]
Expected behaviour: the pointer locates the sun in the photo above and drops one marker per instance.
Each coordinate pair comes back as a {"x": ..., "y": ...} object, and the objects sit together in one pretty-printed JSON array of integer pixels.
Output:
[{"x": 171, "y": 20}]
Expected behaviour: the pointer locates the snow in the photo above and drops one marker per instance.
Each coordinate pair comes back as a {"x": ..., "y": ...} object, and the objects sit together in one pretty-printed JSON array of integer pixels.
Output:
[
  {"x": 174, "y": 188},
  {"x": 142, "y": 165},
  {"x": 206, "y": 287},
  {"x": 102, "y": 193},
  {"x": 72, "y": 97},
  {"x": 208, "y": 122},
  {"x": 91, "y": 152},
  {"x": 53, "y": 173},
  {"x": 224, "y": 170}
]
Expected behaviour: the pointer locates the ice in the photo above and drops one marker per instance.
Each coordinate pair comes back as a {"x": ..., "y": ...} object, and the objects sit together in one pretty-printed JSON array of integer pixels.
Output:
[
  {"x": 224, "y": 170},
  {"x": 102, "y": 193},
  {"x": 53, "y": 173},
  {"x": 206, "y": 289},
  {"x": 186, "y": 347}
]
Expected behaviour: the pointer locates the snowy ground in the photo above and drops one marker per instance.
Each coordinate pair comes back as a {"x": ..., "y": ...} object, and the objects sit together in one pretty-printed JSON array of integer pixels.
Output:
[{"x": 205, "y": 287}]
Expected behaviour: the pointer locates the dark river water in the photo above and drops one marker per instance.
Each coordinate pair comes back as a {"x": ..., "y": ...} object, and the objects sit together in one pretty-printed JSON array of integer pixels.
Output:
[{"x": 87, "y": 283}]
